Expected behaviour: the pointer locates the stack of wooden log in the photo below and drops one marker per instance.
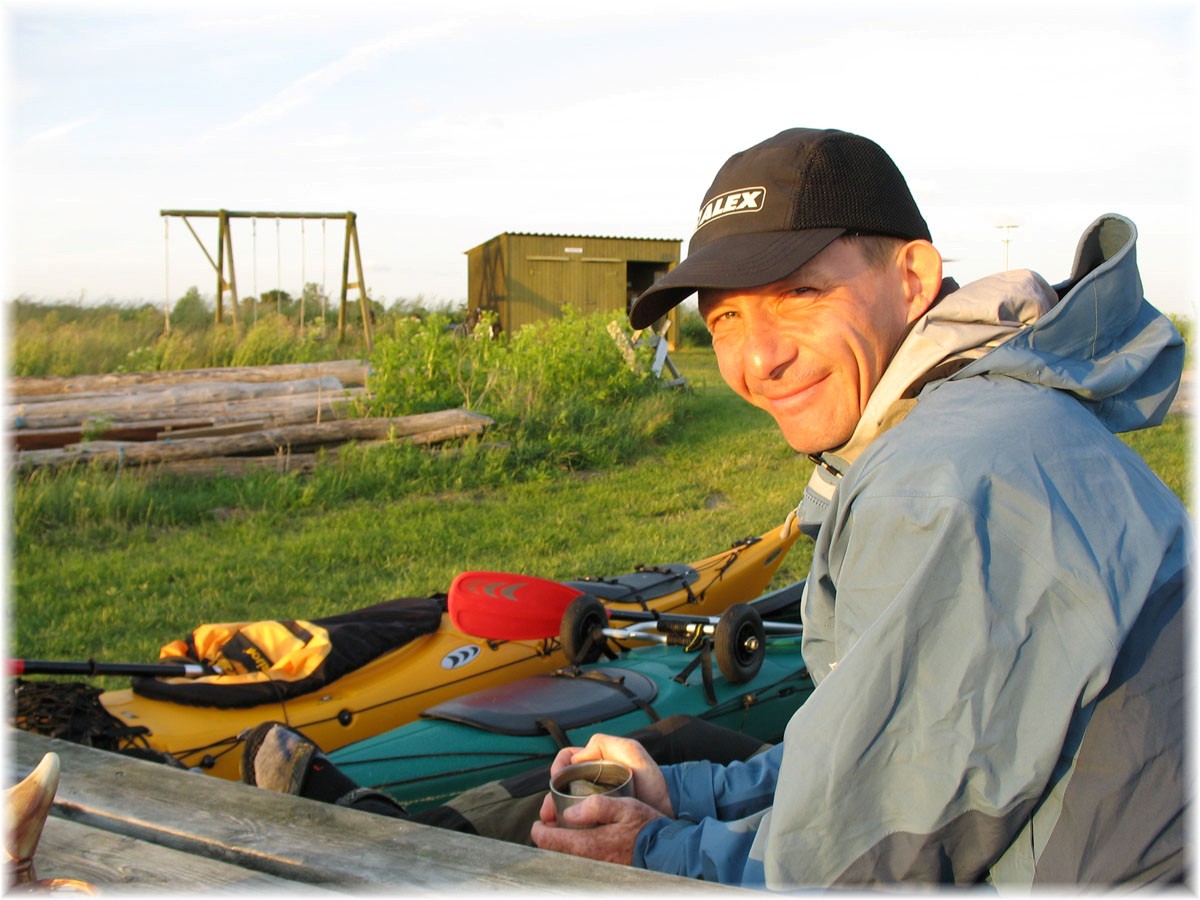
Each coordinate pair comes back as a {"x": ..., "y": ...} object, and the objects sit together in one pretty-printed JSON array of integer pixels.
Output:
[{"x": 209, "y": 420}]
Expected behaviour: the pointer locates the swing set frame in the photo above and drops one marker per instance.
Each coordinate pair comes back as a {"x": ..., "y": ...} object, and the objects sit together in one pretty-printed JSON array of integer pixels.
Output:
[{"x": 227, "y": 277}]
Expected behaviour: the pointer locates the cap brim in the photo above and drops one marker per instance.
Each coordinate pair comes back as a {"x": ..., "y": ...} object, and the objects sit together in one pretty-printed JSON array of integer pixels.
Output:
[{"x": 736, "y": 261}]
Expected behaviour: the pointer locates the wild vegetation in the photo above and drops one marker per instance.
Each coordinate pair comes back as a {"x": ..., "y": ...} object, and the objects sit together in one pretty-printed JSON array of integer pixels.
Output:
[
  {"x": 562, "y": 394},
  {"x": 74, "y": 339}
]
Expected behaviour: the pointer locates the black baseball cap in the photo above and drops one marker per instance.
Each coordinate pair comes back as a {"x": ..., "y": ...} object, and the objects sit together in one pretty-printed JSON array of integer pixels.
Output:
[{"x": 778, "y": 204}]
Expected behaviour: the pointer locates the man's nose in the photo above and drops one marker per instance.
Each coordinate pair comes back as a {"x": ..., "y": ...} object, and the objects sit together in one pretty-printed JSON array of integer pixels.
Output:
[{"x": 767, "y": 350}]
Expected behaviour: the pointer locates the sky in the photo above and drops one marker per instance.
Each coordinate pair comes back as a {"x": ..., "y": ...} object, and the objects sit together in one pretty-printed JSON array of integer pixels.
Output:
[{"x": 444, "y": 124}]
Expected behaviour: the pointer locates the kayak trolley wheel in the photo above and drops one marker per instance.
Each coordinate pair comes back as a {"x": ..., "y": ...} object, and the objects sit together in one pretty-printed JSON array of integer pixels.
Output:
[
  {"x": 581, "y": 624},
  {"x": 741, "y": 643}
]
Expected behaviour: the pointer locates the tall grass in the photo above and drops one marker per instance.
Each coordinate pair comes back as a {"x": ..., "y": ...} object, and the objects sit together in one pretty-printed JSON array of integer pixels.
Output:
[
  {"x": 73, "y": 339},
  {"x": 66, "y": 340}
]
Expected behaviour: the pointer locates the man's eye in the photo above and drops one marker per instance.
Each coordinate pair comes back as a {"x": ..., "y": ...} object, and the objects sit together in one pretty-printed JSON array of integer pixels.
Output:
[{"x": 717, "y": 317}]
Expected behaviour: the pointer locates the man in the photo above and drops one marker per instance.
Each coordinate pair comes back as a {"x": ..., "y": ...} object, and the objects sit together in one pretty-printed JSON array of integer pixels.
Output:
[{"x": 994, "y": 609}]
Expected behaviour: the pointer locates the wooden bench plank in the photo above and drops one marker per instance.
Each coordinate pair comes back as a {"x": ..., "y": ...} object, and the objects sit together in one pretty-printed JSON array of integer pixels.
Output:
[
  {"x": 302, "y": 840},
  {"x": 72, "y": 850}
]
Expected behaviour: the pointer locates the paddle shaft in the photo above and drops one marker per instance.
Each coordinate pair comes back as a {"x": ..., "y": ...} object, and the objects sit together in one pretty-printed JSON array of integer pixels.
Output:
[{"x": 91, "y": 667}]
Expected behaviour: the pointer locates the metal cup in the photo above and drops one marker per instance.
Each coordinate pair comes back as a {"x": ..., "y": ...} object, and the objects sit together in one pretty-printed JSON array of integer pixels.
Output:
[{"x": 577, "y": 782}]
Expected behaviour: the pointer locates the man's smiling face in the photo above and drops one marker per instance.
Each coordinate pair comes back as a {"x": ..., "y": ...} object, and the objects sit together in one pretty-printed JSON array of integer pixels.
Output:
[{"x": 810, "y": 348}]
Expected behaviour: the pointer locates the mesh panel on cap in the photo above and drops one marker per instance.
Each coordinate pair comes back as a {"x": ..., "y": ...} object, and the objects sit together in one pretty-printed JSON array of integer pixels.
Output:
[{"x": 874, "y": 199}]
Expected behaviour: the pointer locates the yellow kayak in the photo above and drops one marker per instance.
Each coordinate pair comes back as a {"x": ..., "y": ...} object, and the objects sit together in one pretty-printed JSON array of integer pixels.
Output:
[{"x": 393, "y": 688}]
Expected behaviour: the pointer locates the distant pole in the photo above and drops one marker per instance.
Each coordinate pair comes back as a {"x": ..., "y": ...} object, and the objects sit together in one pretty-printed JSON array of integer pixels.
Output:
[
  {"x": 222, "y": 225},
  {"x": 1006, "y": 239},
  {"x": 166, "y": 276}
]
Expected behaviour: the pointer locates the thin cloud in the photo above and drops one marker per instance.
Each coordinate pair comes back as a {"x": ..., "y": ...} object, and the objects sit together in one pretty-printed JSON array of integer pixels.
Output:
[
  {"x": 304, "y": 90},
  {"x": 57, "y": 132}
]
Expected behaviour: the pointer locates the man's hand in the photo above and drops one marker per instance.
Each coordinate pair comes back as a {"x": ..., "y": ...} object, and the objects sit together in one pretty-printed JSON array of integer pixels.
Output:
[
  {"x": 649, "y": 786},
  {"x": 605, "y": 828}
]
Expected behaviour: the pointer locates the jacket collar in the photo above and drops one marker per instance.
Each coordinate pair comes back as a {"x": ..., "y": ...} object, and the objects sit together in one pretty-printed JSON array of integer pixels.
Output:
[{"x": 963, "y": 325}]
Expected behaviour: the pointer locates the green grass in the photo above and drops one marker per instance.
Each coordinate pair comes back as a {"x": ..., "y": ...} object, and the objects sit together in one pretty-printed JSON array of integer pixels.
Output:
[
  {"x": 1166, "y": 450},
  {"x": 118, "y": 589}
]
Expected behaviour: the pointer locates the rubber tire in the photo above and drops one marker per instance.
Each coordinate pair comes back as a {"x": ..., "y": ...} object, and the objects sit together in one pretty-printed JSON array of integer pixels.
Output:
[
  {"x": 583, "y": 617},
  {"x": 736, "y": 629}
]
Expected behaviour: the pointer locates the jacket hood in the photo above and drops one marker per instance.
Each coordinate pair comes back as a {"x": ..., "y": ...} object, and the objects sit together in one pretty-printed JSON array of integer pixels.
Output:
[
  {"x": 1103, "y": 341},
  {"x": 1093, "y": 335}
]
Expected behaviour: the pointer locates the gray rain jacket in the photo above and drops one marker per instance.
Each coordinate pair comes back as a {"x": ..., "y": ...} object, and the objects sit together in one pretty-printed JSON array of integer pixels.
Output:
[{"x": 993, "y": 616}]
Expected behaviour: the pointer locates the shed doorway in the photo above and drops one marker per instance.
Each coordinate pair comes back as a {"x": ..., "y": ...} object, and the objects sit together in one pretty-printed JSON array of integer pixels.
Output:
[{"x": 638, "y": 278}]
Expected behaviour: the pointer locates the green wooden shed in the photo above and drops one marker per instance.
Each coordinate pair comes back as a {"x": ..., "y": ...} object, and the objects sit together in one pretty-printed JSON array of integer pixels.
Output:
[{"x": 525, "y": 278}]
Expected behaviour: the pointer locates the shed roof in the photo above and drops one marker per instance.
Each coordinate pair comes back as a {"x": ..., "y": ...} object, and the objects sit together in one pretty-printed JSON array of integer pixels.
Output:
[
  {"x": 598, "y": 237},
  {"x": 590, "y": 237}
]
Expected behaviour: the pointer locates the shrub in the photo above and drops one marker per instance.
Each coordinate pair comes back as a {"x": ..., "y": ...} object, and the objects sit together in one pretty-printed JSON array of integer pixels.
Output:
[
  {"x": 692, "y": 330},
  {"x": 422, "y": 364},
  {"x": 561, "y": 392},
  {"x": 274, "y": 340},
  {"x": 191, "y": 312}
]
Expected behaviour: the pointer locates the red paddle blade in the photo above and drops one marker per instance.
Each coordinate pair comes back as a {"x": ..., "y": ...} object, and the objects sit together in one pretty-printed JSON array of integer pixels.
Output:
[{"x": 498, "y": 606}]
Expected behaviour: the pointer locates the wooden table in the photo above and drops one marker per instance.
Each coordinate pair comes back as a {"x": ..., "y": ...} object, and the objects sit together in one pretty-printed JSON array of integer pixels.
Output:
[{"x": 125, "y": 825}]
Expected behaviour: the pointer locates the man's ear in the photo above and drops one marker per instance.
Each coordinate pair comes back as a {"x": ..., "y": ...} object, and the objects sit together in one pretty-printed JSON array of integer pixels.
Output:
[{"x": 922, "y": 276}]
